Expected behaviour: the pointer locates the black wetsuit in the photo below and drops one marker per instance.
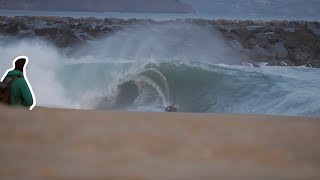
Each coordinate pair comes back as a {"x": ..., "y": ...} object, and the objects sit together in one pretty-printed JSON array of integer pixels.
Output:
[{"x": 171, "y": 109}]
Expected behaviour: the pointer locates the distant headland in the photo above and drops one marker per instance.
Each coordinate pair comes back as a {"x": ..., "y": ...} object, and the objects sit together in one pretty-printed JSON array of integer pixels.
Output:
[{"x": 134, "y": 6}]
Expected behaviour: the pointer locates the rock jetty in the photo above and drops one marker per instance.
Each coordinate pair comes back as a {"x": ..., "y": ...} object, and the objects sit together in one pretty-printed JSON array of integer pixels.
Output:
[{"x": 278, "y": 43}]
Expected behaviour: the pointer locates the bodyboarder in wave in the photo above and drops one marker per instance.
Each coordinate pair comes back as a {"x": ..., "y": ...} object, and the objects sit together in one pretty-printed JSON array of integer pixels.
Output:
[{"x": 172, "y": 108}]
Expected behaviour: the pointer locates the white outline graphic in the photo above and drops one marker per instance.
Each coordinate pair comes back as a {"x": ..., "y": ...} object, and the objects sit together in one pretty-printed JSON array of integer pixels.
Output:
[{"x": 25, "y": 77}]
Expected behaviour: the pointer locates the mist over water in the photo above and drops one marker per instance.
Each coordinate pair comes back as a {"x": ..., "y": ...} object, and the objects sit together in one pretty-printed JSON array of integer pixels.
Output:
[
  {"x": 146, "y": 68},
  {"x": 166, "y": 42}
]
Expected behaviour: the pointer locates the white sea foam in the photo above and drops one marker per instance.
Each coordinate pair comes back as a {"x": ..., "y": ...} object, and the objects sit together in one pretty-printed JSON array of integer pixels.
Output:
[{"x": 98, "y": 68}]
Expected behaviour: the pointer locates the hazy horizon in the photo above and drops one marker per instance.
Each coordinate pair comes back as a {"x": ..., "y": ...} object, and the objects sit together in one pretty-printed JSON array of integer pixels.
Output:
[
  {"x": 212, "y": 9},
  {"x": 269, "y": 8}
]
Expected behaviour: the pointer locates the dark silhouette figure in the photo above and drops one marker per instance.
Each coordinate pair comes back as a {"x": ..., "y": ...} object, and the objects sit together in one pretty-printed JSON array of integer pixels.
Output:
[
  {"x": 172, "y": 108},
  {"x": 14, "y": 89}
]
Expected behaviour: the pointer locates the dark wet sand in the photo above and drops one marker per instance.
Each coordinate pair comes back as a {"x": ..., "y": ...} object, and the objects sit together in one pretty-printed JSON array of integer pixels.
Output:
[{"x": 73, "y": 144}]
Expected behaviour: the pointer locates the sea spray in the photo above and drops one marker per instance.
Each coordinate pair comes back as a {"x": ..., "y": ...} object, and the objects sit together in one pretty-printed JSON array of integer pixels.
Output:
[
  {"x": 145, "y": 68},
  {"x": 163, "y": 42},
  {"x": 42, "y": 70}
]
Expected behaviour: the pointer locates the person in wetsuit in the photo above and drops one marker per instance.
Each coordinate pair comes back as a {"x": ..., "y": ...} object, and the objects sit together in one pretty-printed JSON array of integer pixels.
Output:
[
  {"x": 172, "y": 108},
  {"x": 14, "y": 89}
]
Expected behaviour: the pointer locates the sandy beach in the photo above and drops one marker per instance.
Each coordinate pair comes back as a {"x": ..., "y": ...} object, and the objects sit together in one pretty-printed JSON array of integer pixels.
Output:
[
  {"x": 244, "y": 76},
  {"x": 84, "y": 144}
]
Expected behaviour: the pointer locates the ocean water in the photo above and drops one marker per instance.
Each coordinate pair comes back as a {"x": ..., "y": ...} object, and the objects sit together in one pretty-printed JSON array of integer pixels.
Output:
[
  {"x": 155, "y": 16},
  {"x": 148, "y": 67}
]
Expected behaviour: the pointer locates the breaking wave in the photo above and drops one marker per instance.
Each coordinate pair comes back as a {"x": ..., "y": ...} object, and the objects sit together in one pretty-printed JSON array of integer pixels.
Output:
[{"x": 147, "y": 68}]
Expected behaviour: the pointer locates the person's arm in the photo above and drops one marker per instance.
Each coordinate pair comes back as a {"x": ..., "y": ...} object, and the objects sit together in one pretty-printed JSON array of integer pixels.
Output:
[{"x": 26, "y": 93}]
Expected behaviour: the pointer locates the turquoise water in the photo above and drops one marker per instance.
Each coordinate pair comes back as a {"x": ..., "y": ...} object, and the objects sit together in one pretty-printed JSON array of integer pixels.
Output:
[{"x": 146, "y": 68}]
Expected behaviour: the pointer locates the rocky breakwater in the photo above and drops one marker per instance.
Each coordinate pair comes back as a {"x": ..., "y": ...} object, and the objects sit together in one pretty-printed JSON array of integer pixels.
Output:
[
  {"x": 62, "y": 32},
  {"x": 278, "y": 43}
]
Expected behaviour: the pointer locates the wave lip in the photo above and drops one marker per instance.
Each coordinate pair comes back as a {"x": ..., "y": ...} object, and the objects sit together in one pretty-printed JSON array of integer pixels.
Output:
[
  {"x": 212, "y": 88},
  {"x": 148, "y": 68}
]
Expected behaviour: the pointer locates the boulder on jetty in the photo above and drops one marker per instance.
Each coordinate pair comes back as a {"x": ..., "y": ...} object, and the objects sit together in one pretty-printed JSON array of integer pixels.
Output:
[{"x": 278, "y": 43}]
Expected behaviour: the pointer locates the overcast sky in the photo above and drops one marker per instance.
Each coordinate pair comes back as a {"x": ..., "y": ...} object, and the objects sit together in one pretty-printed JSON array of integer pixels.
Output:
[{"x": 308, "y": 8}]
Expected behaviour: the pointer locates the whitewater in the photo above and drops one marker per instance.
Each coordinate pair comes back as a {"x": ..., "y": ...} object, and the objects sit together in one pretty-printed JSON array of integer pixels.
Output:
[{"x": 146, "y": 68}]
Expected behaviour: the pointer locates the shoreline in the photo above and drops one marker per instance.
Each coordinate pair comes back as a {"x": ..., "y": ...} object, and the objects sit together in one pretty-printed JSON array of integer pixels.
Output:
[
  {"x": 200, "y": 114},
  {"x": 46, "y": 143}
]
